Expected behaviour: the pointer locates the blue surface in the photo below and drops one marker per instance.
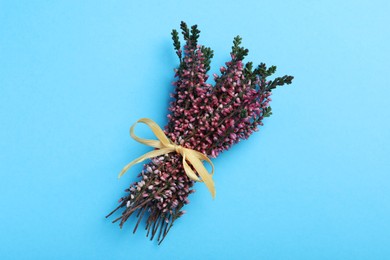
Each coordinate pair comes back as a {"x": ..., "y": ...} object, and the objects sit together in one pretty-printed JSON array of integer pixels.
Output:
[{"x": 312, "y": 184}]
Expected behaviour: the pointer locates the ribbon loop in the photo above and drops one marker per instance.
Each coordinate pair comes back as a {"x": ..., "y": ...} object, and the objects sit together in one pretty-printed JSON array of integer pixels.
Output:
[{"x": 165, "y": 146}]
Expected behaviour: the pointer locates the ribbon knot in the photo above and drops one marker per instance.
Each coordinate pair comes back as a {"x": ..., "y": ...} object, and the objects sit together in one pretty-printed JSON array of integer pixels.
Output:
[
  {"x": 165, "y": 146},
  {"x": 179, "y": 149}
]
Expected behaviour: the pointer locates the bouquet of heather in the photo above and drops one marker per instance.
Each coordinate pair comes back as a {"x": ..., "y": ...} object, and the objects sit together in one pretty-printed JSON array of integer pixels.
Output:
[{"x": 204, "y": 120}]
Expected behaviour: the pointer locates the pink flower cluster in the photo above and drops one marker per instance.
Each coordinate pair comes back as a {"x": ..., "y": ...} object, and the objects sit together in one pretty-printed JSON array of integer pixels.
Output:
[{"x": 216, "y": 117}]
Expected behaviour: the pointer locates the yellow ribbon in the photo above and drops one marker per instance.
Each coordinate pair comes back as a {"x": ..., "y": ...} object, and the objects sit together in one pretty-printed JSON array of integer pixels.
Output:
[{"x": 166, "y": 146}]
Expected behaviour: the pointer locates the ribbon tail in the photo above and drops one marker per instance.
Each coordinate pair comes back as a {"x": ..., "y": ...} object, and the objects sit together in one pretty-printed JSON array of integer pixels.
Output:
[
  {"x": 190, "y": 173},
  {"x": 144, "y": 157},
  {"x": 203, "y": 173}
]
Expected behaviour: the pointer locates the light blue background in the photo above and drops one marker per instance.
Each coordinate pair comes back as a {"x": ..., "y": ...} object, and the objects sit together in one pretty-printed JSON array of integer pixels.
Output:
[{"x": 312, "y": 184}]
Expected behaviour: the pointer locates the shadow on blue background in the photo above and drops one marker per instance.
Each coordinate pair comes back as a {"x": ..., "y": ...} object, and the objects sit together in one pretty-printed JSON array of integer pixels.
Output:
[{"x": 312, "y": 184}]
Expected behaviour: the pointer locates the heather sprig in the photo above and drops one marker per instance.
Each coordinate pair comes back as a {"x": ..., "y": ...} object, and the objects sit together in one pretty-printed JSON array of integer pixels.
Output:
[{"x": 206, "y": 118}]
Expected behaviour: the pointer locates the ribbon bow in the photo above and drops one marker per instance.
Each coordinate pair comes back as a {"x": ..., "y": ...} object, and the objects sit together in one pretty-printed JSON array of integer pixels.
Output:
[{"x": 165, "y": 146}]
